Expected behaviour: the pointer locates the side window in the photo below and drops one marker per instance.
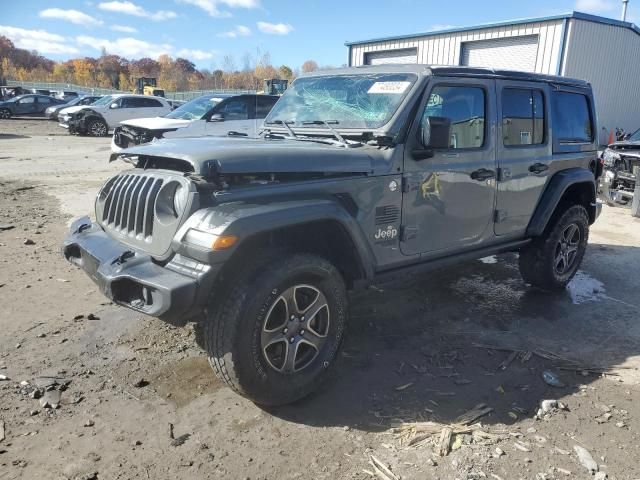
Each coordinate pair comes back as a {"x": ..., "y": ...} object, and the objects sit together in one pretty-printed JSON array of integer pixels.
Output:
[
  {"x": 572, "y": 121},
  {"x": 456, "y": 116},
  {"x": 132, "y": 102},
  {"x": 44, "y": 100},
  {"x": 235, "y": 110},
  {"x": 264, "y": 106},
  {"x": 522, "y": 117},
  {"x": 151, "y": 102},
  {"x": 27, "y": 100}
]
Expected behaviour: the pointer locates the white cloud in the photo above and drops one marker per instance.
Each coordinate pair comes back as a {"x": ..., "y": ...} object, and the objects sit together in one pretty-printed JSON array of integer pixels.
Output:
[
  {"x": 73, "y": 16},
  {"x": 129, "y": 8},
  {"x": 238, "y": 31},
  {"x": 212, "y": 7},
  {"x": 40, "y": 40},
  {"x": 597, "y": 6},
  {"x": 194, "y": 54},
  {"x": 275, "y": 28},
  {"x": 441, "y": 26},
  {"x": 126, "y": 47},
  {"x": 123, "y": 28}
]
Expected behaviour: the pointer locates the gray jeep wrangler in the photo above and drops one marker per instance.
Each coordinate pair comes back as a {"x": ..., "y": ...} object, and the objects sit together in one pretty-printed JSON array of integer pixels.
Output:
[{"x": 360, "y": 175}]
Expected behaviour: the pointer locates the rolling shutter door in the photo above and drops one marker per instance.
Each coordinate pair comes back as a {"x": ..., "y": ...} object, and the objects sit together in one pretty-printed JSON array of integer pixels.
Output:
[
  {"x": 512, "y": 53},
  {"x": 405, "y": 55}
]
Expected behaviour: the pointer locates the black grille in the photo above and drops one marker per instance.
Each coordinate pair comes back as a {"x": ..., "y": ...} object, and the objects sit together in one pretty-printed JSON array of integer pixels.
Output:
[
  {"x": 387, "y": 214},
  {"x": 129, "y": 204}
]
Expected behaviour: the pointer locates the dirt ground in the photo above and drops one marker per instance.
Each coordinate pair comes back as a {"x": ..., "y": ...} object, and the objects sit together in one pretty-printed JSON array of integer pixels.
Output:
[{"x": 141, "y": 401}]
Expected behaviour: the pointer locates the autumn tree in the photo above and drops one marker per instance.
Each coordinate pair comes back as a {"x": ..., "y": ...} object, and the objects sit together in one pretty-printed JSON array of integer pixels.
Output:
[{"x": 309, "y": 66}]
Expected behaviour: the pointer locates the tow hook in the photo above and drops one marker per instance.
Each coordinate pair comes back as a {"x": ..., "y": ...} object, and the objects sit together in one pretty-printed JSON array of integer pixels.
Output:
[{"x": 123, "y": 258}]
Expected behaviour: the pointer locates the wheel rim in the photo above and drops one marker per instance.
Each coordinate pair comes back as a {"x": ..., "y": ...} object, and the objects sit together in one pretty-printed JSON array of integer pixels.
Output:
[
  {"x": 567, "y": 249},
  {"x": 295, "y": 329},
  {"x": 98, "y": 129},
  {"x": 4, "y": 114}
]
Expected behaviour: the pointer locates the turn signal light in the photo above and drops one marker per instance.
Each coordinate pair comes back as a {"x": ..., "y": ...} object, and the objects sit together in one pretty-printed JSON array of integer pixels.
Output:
[{"x": 224, "y": 242}]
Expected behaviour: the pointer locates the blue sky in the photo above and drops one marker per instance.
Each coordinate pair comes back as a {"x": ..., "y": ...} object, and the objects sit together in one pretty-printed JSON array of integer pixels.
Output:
[{"x": 292, "y": 31}]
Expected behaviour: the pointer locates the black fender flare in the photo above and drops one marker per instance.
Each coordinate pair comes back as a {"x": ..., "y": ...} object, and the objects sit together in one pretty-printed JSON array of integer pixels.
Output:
[
  {"x": 246, "y": 220},
  {"x": 553, "y": 193}
]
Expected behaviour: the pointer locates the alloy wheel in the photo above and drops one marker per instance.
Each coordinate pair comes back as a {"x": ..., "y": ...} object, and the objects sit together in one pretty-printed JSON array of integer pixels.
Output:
[
  {"x": 295, "y": 328},
  {"x": 567, "y": 249},
  {"x": 4, "y": 113},
  {"x": 98, "y": 129}
]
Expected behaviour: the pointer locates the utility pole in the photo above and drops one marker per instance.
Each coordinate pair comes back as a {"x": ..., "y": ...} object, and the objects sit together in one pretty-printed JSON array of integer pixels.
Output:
[{"x": 624, "y": 9}]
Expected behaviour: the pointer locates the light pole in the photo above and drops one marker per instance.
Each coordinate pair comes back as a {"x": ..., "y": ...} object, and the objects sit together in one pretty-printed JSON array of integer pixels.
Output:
[{"x": 624, "y": 9}]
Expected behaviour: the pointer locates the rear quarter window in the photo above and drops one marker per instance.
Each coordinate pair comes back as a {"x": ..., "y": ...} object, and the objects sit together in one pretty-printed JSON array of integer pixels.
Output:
[{"x": 572, "y": 122}]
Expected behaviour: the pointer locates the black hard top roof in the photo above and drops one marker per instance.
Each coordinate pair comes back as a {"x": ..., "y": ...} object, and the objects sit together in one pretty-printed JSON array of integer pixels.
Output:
[{"x": 455, "y": 71}]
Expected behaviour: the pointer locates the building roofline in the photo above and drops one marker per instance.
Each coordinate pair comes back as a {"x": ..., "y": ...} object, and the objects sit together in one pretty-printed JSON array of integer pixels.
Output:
[{"x": 577, "y": 15}]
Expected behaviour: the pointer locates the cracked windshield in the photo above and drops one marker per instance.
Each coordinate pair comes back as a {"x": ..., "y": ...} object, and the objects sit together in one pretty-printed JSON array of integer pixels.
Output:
[{"x": 350, "y": 101}]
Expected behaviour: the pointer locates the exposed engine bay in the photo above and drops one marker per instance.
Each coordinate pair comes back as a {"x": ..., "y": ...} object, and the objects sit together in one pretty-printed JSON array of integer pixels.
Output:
[{"x": 618, "y": 182}]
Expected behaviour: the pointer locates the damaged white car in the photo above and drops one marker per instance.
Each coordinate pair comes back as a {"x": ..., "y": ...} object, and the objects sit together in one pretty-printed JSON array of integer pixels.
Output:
[{"x": 204, "y": 116}]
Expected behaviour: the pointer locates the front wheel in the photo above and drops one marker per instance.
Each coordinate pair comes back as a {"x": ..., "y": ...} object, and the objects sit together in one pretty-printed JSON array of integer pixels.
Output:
[
  {"x": 97, "y": 128},
  {"x": 551, "y": 260},
  {"x": 274, "y": 335},
  {"x": 5, "y": 113}
]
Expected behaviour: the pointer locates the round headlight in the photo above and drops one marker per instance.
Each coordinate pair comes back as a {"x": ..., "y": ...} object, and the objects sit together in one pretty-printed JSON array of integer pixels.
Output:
[{"x": 179, "y": 199}]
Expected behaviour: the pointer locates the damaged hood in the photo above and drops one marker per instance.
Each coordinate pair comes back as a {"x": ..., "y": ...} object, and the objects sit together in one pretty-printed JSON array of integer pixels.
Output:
[
  {"x": 72, "y": 110},
  {"x": 256, "y": 155},
  {"x": 157, "y": 123}
]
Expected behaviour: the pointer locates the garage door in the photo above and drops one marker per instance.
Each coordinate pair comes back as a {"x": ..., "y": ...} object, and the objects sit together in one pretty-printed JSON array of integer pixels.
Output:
[
  {"x": 513, "y": 53},
  {"x": 405, "y": 55}
]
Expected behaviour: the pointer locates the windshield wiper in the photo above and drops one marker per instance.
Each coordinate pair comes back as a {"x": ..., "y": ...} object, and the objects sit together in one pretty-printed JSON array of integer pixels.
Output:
[
  {"x": 285, "y": 124},
  {"x": 327, "y": 123}
]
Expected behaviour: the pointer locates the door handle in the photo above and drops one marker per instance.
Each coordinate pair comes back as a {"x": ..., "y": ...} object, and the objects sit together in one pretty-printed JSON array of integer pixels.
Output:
[
  {"x": 483, "y": 174},
  {"x": 538, "y": 168}
]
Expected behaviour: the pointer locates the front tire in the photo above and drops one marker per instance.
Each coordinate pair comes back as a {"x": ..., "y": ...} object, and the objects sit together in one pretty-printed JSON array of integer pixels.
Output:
[
  {"x": 552, "y": 260},
  {"x": 274, "y": 334},
  {"x": 97, "y": 128},
  {"x": 5, "y": 113}
]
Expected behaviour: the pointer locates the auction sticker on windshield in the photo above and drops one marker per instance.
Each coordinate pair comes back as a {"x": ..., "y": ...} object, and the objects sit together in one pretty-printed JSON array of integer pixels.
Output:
[{"x": 389, "y": 87}]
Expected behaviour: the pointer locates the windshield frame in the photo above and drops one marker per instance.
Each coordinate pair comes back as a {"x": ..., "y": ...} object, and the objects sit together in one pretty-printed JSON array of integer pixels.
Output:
[
  {"x": 416, "y": 82},
  {"x": 635, "y": 134},
  {"x": 102, "y": 101}
]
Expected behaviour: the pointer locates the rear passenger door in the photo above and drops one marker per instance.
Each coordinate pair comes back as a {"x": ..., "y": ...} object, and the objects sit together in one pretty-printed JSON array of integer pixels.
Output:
[
  {"x": 524, "y": 153},
  {"x": 154, "y": 107}
]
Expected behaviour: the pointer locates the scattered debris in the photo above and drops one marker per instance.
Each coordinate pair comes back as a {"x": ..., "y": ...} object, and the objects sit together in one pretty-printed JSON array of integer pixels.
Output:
[
  {"x": 498, "y": 452},
  {"x": 4, "y": 226},
  {"x": 563, "y": 471},
  {"x": 523, "y": 447},
  {"x": 141, "y": 383},
  {"x": 621, "y": 424},
  {"x": 89, "y": 423},
  {"x": 512, "y": 356},
  {"x": 3, "y": 378},
  {"x": 585, "y": 458},
  {"x": 382, "y": 471},
  {"x": 552, "y": 379},
  {"x": 472, "y": 415},
  {"x": 403, "y": 387},
  {"x": 28, "y": 241},
  {"x": 176, "y": 442},
  {"x": 91, "y": 316},
  {"x": 444, "y": 443},
  {"x": 2, "y": 434},
  {"x": 601, "y": 476},
  {"x": 51, "y": 399}
]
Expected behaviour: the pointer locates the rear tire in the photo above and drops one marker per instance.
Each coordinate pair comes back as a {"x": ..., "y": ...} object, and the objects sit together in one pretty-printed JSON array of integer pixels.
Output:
[
  {"x": 257, "y": 336},
  {"x": 552, "y": 260},
  {"x": 97, "y": 128},
  {"x": 5, "y": 113}
]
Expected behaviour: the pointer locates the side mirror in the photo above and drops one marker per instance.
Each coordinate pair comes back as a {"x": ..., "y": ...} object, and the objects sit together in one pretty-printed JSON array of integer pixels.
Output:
[
  {"x": 217, "y": 117},
  {"x": 434, "y": 134},
  {"x": 113, "y": 105}
]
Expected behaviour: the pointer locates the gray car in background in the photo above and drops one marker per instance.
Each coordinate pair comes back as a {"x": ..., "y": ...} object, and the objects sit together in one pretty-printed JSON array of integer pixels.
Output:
[
  {"x": 27, "y": 105},
  {"x": 52, "y": 112}
]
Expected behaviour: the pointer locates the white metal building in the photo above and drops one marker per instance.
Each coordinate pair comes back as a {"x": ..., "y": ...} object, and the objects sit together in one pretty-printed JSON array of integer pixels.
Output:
[{"x": 603, "y": 51}]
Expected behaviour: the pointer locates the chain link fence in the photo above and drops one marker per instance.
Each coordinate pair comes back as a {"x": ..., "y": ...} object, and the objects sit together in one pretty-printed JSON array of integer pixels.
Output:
[{"x": 184, "y": 96}]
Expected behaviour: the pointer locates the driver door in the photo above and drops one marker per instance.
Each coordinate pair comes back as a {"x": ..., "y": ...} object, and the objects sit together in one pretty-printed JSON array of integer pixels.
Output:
[
  {"x": 26, "y": 106},
  {"x": 450, "y": 182}
]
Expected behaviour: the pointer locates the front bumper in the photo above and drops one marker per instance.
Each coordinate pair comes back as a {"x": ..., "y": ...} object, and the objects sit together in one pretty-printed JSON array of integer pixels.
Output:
[{"x": 174, "y": 292}]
